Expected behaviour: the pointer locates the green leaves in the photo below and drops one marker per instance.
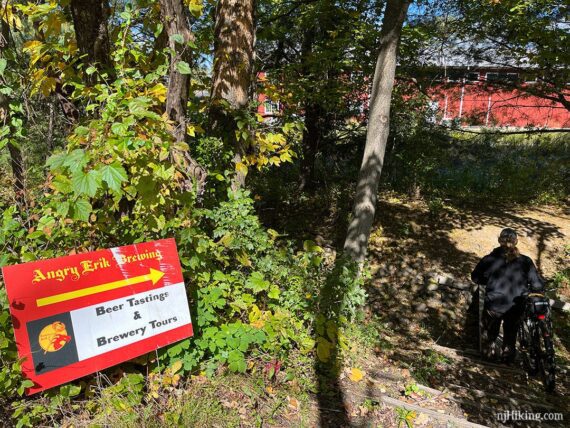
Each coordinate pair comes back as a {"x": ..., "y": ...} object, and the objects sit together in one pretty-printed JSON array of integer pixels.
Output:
[
  {"x": 69, "y": 390},
  {"x": 75, "y": 160},
  {"x": 183, "y": 68},
  {"x": 158, "y": 29},
  {"x": 113, "y": 175},
  {"x": 4, "y": 132},
  {"x": 81, "y": 209},
  {"x": 55, "y": 161},
  {"x": 230, "y": 342},
  {"x": 81, "y": 131},
  {"x": 119, "y": 128},
  {"x": 26, "y": 383},
  {"x": 140, "y": 107},
  {"x": 86, "y": 183},
  {"x": 196, "y": 7},
  {"x": 324, "y": 348},
  {"x": 237, "y": 362},
  {"x": 63, "y": 208},
  {"x": 62, "y": 184},
  {"x": 177, "y": 38},
  {"x": 257, "y": 283}
]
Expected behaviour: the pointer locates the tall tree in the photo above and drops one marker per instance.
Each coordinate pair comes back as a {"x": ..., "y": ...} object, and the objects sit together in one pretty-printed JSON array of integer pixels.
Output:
[
  {"x": 234, "y": 39},
  {"x": 176, "y": 20},
  {"x": 7, "y": 116},
  {"x": 90, "y": 22},
  {"x": 318, "y": 52},
  {"x": 364, "y": 209},
  {"x": 314, "y": 115}
]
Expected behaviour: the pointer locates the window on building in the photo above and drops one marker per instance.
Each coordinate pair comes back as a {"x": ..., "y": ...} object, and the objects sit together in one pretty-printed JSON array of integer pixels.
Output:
[
  {"x": 271, "y": 107},
  {"x": 528, "y": 77},
  {"x": 502, "y": 77},
  {"x": 455, "y": 75},
  {"x": 428, "y": 74},
  {"x": 473, "y": 76},
  {"x": 512, "y": 77}
]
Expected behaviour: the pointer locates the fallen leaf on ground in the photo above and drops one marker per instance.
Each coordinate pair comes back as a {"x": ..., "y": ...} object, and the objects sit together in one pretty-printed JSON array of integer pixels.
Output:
[
  {"x": 421, "y": 419},
  {"x": 293, "y": 403},
  {"x": 356, "y": 375}
]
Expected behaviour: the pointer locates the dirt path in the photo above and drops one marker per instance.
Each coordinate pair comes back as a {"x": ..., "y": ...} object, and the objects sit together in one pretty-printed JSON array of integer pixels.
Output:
[
  {"x": 431, "y": 329},
  {"x": 464, "y": 391},
  {"x": 424, "y": 329},
  {"x": 543, "y": 234},
  {"x": 454, "y": 238}
]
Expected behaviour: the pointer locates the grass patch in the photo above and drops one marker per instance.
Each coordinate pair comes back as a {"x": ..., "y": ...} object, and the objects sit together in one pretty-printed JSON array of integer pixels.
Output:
[
  {"x": 426, "y": 367},
  {"x": 225, "y": 400}
]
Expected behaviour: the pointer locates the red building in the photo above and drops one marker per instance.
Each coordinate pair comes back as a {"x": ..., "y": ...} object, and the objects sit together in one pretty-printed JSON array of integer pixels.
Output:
[
  {"x": 481, "y": 97},
  {"x": 266, "y": 107},
  {"x": 473, "y": 96}
]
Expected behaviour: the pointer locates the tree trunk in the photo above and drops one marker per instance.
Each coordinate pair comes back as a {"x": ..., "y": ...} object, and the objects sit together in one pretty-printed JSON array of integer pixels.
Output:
[
  {"x": 176, "y": 20},
  {"x": 312, "y": 132},
  {"x": 364, "y": 209},
  {"x": 90, "y": 23},
  {"x": 312, "y": 135},
  {"x": 17, "y": 164},
  {"x": 51, "y": 125},
  {"x": 16, "y": 159},
  {"x": 234, "y": 39},
  {"x": 69, "y": 109}
]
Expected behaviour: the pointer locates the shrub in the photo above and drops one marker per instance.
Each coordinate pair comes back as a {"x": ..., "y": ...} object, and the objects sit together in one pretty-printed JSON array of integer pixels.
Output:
[{"x": 252, "y": 293}]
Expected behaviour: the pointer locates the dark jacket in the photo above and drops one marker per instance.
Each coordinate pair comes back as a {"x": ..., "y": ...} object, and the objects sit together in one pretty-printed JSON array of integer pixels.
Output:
[{"x": 506, "y": 281}]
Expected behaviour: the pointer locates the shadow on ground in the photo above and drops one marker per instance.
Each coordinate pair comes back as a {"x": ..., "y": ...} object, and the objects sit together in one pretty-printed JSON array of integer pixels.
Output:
[
  {"x": 434, "y": 323},
  {"x": 410, "y": 242}
]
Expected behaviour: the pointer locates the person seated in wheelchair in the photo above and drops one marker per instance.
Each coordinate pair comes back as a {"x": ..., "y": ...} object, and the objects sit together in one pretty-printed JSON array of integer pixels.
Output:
[{"x": 507, "y": 276}]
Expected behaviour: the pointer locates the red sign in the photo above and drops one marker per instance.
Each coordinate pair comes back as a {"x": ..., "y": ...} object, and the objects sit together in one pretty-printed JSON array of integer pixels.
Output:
[{"x": 79, "y": 314}]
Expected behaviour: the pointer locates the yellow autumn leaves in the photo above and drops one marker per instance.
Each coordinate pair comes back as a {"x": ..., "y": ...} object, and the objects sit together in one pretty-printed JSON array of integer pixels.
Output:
[
  {"x": 269, "y": 149},
  {"x": 355, "y": 375},
  {"x": 167, "y": 380},
  {"x": 53, "y": 46}
]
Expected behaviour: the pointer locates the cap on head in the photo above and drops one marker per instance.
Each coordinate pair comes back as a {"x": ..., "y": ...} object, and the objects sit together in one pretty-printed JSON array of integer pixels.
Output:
[{"x": 508, "y": 235}]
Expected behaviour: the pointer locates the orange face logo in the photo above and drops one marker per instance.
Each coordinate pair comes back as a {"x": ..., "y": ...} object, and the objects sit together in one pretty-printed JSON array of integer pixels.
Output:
[{"x": 53, "y": 337}]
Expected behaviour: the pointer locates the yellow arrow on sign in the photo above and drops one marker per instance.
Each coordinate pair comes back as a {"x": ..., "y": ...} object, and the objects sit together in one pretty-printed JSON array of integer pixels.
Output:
[{"x": 153, "y": 275}]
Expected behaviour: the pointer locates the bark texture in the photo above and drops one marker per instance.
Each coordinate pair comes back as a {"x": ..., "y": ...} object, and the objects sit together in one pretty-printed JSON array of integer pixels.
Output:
[
  {"x": 312, "y": 141},
  {"x": 51, "y": 125},
  {"x": 17, "y": 163},
  {"x": 234, "y": 36},
  {"x": 234, "y": 40},
  {"x": 377, "y": 132},
  {"x": 176, "y": 20},
  {"x": 90, "y": 23},
  {"x": 16, "y": 159},
  {"x": 312, "y": 133}
]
